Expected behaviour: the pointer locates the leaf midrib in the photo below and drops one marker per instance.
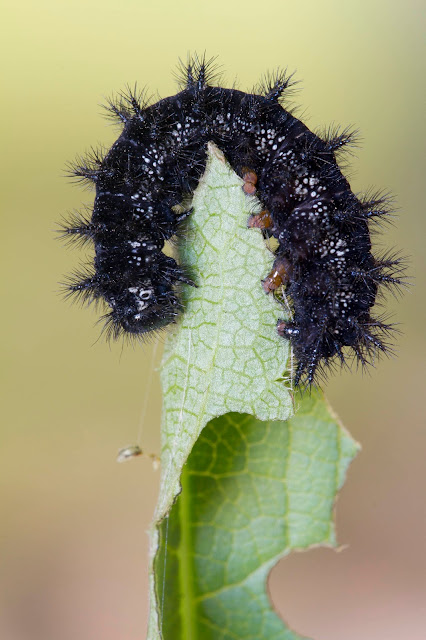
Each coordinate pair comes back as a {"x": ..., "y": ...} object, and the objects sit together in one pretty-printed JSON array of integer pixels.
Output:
[{"x": 186, "y": 573}]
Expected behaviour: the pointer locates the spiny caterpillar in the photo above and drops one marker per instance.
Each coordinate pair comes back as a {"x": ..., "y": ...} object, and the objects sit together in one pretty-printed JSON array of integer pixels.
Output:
[{"x": 324, "y": 254}]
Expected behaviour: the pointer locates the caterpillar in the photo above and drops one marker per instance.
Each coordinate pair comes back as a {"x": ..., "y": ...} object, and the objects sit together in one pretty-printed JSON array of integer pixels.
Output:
[{"x": 323, "y": 258}]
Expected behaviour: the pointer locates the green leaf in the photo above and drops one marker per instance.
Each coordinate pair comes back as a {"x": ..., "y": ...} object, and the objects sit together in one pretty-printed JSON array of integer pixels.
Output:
[{"x": 256, "y": 480}]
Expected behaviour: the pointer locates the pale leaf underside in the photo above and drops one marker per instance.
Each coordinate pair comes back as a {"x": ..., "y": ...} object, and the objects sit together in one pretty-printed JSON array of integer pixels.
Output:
[{"x": 259, "y": 481}]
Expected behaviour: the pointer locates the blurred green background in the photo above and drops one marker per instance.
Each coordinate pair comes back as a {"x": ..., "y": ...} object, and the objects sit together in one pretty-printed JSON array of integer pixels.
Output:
[{"x": 73, "y": 543}]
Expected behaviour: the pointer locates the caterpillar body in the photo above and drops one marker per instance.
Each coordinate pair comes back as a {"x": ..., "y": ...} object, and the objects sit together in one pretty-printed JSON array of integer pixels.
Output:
[{"x": 324, "y": 256}]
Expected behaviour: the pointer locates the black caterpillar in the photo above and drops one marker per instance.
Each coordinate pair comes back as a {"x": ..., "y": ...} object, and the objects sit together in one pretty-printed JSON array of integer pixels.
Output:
[{"x": 324, "y": 249}]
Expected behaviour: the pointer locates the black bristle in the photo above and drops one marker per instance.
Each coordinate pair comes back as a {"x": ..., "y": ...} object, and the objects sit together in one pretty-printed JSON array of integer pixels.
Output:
[
  {"x": 197, "y": 72},
  {"x": 337, "y": 139},
  {"x": 117, "y": 110},
  {"x": 87, "y": 168},
  {"x": 77, "y": 228},
  {"x": 276, "y": 85}
]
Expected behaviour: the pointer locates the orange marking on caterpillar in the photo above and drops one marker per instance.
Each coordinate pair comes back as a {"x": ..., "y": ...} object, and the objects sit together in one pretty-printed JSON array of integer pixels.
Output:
[
  {"x": 279, "y": 274},
  {"x": 250, "y": 179},
  {"x": 260, "y": 220}
]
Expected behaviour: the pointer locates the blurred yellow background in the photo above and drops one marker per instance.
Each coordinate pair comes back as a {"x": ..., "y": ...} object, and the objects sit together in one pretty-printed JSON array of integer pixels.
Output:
[{"x": 73, "y": 543}]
